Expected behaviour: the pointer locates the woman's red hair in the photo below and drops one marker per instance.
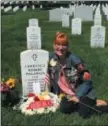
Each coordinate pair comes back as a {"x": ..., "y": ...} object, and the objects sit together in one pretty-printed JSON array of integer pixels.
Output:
[{"x": 61, "y": 38}]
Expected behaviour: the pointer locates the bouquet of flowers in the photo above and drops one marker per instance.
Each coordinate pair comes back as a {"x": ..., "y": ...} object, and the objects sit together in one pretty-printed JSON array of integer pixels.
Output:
[
  {"x": 9, "y": 95},
  {"x": 44, "y": 102}
]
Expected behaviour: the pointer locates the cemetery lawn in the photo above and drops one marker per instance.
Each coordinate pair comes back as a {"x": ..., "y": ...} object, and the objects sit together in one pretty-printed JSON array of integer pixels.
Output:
[{"x": 13, "y": 41}]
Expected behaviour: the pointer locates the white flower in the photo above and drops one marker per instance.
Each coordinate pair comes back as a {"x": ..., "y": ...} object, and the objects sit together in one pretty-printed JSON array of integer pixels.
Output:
[
  {"x": 47, "y": 110},
  {"x": 52, "y": 109},
  {"x": 22, "y": 106},
  {"x": 31, "y": 99},
  {"x": 40, "y": 110},
  {"x": 53, "y": 62},
  {"x": 23, "y": 110},
  {"x": 50, "y": 96},
  {"x": 29, "y": 112},
  {"x": 46, "y": 97}
]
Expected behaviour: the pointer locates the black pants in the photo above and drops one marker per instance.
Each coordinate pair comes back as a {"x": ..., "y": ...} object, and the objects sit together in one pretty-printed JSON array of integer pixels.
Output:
[{"x": 86, "y": 107}]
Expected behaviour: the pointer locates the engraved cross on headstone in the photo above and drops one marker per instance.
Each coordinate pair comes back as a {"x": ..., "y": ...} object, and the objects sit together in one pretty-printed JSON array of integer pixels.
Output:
[{"x": 34, "y": 56}]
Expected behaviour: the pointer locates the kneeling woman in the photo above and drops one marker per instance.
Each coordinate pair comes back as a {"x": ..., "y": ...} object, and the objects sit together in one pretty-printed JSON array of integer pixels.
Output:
[{"x": 68, "y": 75}]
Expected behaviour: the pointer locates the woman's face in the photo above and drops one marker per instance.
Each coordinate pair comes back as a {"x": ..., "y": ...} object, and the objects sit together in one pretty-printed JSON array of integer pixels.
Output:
[{"x": 60, "y": 49}]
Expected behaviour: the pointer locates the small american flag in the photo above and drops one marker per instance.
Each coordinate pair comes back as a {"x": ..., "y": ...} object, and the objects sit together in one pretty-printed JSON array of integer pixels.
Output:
[{"x": 46, "y": 79}]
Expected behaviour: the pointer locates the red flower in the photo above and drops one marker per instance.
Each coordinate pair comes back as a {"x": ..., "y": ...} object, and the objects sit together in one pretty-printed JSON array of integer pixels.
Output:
[
  {"x": 36, "y": 98},
  {"x": 31, "y": 95},
  {"x": 3, "y": 87}
]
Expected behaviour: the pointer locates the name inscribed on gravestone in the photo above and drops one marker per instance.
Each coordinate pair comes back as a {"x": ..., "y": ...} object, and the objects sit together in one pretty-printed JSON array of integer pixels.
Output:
[{"x": 33, "y": 69}]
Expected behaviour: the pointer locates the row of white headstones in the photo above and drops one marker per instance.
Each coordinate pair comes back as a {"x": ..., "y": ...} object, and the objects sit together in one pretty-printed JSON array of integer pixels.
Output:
[
  {"x": 97, "y": 31},
  {"x": 7, "y": 9},
  {"x": 16, "y": 8},
  {"x": 78, "y": 12}
]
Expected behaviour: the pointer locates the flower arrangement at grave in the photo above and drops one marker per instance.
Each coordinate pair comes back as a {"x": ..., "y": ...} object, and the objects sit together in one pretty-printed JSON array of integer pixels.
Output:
[
  {"x": 44, "y": 102},
  {"x": 33, "y": 103},
  {"x": 9, "y": 94}
]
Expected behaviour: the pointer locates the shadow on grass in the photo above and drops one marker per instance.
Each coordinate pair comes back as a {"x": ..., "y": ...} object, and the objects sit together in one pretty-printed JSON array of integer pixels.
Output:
[
  {"x": 7, "y": 13},
  {"x": 106, "y": 45}
]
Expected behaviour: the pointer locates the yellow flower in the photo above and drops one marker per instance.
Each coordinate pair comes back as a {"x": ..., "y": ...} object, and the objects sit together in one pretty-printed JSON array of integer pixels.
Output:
[
  {"x": 53, "y": 62},
  {"x": 45, "y": 93},
  {"x": 41, "y": 97},
  {"x": 11, "y": 82},
  {"x": 61, "y": 96}
]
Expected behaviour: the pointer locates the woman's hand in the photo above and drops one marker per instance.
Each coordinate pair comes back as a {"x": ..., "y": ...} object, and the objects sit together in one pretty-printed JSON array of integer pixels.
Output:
[
  {"x": 86, "y": 76},
  {"x": 74, "y": 99}
]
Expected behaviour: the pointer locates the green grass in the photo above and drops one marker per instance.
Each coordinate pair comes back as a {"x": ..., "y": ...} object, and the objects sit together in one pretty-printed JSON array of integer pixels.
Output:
[{"x": 13, "y": 41}]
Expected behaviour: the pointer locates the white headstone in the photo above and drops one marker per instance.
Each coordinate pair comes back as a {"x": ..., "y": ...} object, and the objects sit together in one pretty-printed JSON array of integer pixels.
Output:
[
  {"x": 33, "y": 37},
  {"x": 11, "y": 2},
  {"x": 65, "y": 20},
  {"x": 15, "y": 8},
  {"x": 84, "y": 12},
  {"x": 73, "y": 9},
  {"x": 55, "y": 15},
  {"x": 2, "y": 7},
  {"x": 33, "y": 7},
  {"x": 33, "y": 69},
  {"x": 97, "y": 36},
  {"x": 76, "y": 26},
  {"x": 41, "y": 6},
  {"x": 61, "y": 8},
  {"x": 22, "y": 2},
  {"x": 8, "y": 9},
  {"x": 70, "y": 11},
  {"x": 98, "y": 20},
  {"x": 65, "y": 10},
  {"x": 33, "y": 22},
  {"x": 6, "y": 2},
  {"x": 24, "y": 8},
  {"x": 17, "y": 2}
]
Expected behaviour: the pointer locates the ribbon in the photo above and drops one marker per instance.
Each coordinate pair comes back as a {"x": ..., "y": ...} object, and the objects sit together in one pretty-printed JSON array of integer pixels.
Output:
[{"x": 40, "y": 104}]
